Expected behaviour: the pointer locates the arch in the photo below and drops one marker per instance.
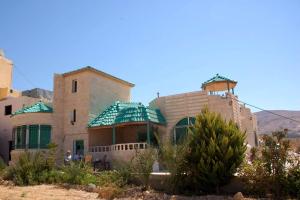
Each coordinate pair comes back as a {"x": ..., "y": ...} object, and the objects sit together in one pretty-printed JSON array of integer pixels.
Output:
[{"x": 181, "y": 128}]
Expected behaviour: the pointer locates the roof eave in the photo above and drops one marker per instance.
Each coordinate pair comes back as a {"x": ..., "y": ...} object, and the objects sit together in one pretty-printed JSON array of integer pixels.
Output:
[{"x": 89, "y": 68}]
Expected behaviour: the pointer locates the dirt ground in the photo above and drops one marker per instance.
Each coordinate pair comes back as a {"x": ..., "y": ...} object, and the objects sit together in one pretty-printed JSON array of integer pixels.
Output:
[
  {"x": 43, "y": 192},
  {"x": 52, "y": 192}
]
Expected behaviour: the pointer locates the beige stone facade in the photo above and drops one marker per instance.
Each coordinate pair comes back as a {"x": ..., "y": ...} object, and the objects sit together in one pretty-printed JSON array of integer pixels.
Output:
[
  {"x": 180, "y": 106},
  {"x": 95, "y": 92}
]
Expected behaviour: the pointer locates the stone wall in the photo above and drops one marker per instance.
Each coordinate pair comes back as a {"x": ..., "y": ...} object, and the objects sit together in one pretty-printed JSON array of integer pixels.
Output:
[{"x": 176, "y": 107}]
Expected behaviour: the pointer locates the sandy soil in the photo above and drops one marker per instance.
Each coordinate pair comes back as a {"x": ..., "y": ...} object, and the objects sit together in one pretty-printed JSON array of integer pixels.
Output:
[
  {"x": 52, "y": 192},
  {"x": 43, "y": 192}
]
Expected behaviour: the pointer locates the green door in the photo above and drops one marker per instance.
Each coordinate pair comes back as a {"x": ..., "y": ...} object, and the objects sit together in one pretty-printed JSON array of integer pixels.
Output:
[{"x": 79, "y": 147}]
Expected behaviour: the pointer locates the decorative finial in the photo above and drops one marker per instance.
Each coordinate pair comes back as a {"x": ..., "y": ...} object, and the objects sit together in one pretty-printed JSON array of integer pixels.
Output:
[{"x": 157, "y": 94}]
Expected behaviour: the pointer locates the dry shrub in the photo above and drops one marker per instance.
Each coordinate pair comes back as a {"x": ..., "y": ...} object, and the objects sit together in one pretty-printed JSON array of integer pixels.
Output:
[{"x": 109, "y": 192}]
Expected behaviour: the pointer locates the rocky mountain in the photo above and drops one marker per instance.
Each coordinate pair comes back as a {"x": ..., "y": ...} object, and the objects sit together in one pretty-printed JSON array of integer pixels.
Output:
[{"x": 268, "y": 122}]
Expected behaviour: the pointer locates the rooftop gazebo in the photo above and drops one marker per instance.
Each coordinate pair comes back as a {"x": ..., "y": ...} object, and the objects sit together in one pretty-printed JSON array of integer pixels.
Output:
[
  {"x": 124, "y": 127},
  {"x": 219, "y": 83}
]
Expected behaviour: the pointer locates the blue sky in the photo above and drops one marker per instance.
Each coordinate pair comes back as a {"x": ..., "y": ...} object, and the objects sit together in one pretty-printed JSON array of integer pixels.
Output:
[{"x": 166, "y": 46}]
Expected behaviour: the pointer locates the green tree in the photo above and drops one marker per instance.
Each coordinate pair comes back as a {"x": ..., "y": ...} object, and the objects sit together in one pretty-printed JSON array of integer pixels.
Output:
[{"x": 216, "y": 149}]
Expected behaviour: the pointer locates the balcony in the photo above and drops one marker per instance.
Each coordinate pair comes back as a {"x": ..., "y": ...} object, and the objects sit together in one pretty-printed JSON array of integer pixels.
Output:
[{"x": 119, "y": 152}]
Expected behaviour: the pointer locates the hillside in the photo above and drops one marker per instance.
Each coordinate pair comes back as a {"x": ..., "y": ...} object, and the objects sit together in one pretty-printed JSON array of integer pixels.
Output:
[{"x": 268, "y": 122}]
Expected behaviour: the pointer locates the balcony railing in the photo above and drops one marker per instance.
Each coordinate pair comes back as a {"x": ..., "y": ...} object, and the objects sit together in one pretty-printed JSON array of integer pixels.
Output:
[{"x": 118, "y": 147}]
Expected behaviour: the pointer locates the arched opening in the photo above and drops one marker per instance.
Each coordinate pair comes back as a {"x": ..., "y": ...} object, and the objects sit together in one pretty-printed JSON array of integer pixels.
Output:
[{"x": 181, "y": 128}]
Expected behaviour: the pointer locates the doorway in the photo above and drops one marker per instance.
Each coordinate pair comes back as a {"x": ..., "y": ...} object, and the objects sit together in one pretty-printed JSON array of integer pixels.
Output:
[{"x": 78, "y": 149}]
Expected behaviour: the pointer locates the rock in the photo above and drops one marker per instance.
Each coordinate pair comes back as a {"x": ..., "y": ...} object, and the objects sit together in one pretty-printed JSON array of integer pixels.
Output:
[
  {"x": 91, "y": 187},
  {"x": 238, "y": 196}
]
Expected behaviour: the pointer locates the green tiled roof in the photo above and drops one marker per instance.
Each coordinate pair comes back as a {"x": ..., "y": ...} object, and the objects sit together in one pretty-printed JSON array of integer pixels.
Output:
[
  {"x": 218, "y": 78},
  {"x": 121, "y": 112},
  {"x": 38, "y": 107}
]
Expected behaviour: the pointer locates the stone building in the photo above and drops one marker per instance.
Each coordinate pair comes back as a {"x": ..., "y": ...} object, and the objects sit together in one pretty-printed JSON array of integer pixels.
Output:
[{"x": 92, "y": 114}]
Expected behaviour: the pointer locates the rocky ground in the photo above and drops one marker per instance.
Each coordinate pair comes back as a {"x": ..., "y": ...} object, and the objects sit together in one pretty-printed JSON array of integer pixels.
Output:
[{"x": 52, "y": 192}]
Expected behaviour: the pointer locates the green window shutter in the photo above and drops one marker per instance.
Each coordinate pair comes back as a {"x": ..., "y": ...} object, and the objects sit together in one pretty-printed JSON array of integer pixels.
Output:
[
  {"x": 45, "y": 136},
  {"x": 33, "y": 136},
  {"x": 18, "y": 145},
  {"x": 23, "y": 137}
]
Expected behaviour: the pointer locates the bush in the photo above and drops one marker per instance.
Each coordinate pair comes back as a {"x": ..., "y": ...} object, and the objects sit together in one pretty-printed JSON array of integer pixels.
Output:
[
  {"x": 29, "y": 169},
  {"x": 2, "y": 165},
  {"x": 255, "y": 177},
  {"x": 293, "y": 180},
  {"x": 274, "y": 170},
  {"x": 142, "y": 164},
  {"x": 214, "y": 150},
  {"x": 78, "y": 173},
  {"x": 125, "y": 170},
  {"x": 172, "y": 159},
  {"x": 110, "y": 178},
  {"x": 109, "y": 192}
]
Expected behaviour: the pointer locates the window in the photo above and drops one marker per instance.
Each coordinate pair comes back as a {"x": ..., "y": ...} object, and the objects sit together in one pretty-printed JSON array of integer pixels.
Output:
[
  {"x": 74, "y": 116},
  {"x": 181, "y": 128},
  {"x": 74, "y": 86},
  {"x": 8, "y": 110}
]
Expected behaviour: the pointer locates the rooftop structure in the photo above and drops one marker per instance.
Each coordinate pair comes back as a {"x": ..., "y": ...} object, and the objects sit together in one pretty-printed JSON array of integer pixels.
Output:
[{"x": 219, "y": 83}]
